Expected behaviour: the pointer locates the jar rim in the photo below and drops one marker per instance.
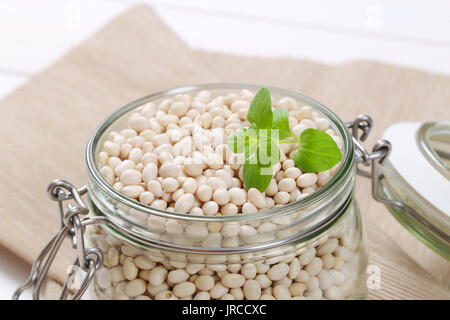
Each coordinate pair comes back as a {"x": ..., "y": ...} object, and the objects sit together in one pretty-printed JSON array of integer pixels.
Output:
[{"x": 332, "y": 185}]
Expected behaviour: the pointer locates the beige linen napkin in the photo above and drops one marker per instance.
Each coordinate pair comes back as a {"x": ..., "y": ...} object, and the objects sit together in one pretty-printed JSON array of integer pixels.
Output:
[{"x": 47, "y": 122}]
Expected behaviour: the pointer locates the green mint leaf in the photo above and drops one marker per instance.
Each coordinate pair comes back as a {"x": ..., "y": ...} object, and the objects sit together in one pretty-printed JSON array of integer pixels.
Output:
[
  {"x": 251, "y": 141},
  {"x": 281, "y": 122},
  {"x": 268, "y": 150},
  {"x": 236, "y": 142},
  {"x": 317, "y": 151},
  {"x": 257, "y": 176},
  {"x": 260, "y": 111},
  {"x": 245, "y": 141}
]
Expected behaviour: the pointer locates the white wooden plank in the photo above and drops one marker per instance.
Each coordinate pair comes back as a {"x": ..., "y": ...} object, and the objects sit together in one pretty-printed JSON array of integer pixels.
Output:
[
  {"x": 252, "y": 37},
  {"x": 37, "y": 33},
  {"x": 33, "y": 34},
  {"x": 9, "y": 82},
  {"x": 425, "y": 21}
]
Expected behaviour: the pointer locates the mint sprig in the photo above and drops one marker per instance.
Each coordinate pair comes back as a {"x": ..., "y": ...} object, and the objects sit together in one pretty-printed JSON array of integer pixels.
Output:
[
  {"x": 259, "y": 144},
  {"x": 260, "y": 111},
  {"x": 317, "y": 151},
  {"x": 281, "y": 122}
]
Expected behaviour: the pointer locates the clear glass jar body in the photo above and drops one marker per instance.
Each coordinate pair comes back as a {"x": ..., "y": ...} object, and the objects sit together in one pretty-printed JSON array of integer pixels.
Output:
[{"x": 312, "y": 248}]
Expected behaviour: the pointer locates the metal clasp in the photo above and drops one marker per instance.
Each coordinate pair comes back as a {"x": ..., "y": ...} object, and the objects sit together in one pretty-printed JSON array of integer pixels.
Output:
[
  {"x": 380, "y": 152},
  {"x": 71, "y": 226}
]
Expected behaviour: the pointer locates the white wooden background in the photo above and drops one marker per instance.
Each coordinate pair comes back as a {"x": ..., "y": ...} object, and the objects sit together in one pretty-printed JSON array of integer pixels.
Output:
[{"x": 33, "y": 34}]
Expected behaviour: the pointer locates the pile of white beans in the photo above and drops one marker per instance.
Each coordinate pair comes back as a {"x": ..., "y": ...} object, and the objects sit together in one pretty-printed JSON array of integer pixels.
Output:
[
  {"x": 326, "y": 268},
  {"x": 174, "y": 156}
]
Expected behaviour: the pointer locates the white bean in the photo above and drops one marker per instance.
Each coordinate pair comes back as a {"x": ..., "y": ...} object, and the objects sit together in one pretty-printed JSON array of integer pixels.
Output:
[
  {"x": 292, "y": 172},
  {"x": 168, "y": 169},
  {"x": 281, "y": 292},
  {"x": 334, "y": 293},
  {"x": 306, "y": 180},
  {"x": 216, "y": 183},
  {"x": 252, "y": 290},
  {"x": 184, "y": 289},
  {"x": 184, "y": 203},
  {"x": 325, "y": 279},
  {"x": 307, "y": 256},
  {"x": 204, "y": 193},
  {"x": 144, "y": 263},
  {"x": 221, "y": 196},
  {"x": 157, "y": 276},
  {"x": 278, "y": 271},
  {"x": 256, "y": 198},
  {"x": 132, "y": 191},
  {"x": 282, "y": 197},
  {"x": 154, "y": 290},
  {"x": 103, "y": 278},
  {"x": 323, "y": 177},
  {"x": 116, "y": 274},
  {"x": 178, "y": 108},
  {"x": 230, "y": 229},
  {"x": 108, "y": 173},
  {"x": 204, "y": 282},
  {"x": 130, "y": 177},
  {"x": 249, "y": 208},
  {"x": 229, "y": 209},
  {"x": 272, "y": 189},
  {"x": 237, "y": 293},
  {"x": 113, "y": 149},
  {"x": 314, "y": 267},
  {"x": 129, "y": 269},
  {"x": 263, "y": 281},
  {"x": 149, "y": 172},
  {"x": 312, "y": 283},
  {"x": 124, "y": 165},
  {"x": 174, "y": 228},
  {"x": 160, "y": 139},
  {"x": 139, "y": 123},
  {"x": 193, "y": 167},
  {"x": 210, "y": 208},
  {"x": 233, "y": 280},
  {"x": 327, "y": 247},
  {"x": 197, "y": 232},
  {"x": 249, "y": 270},
  {"x": 165, "y": 295},
  {"x": 238, "y": 105},
  {"x": 314, "y": 294},
  {"x": 297, "y": 289},
  {"x": 237, "y": 196},
  {"x": 218, "y": 291},
  {"x": 202, "y": 295},
  {"x": 170, "y": 184},
  {"x": 286, "y": 184},
  {"x": 190, "y": 185},
  {"x": 146, "y": 197},
  {"x": 135, "y": 288}
]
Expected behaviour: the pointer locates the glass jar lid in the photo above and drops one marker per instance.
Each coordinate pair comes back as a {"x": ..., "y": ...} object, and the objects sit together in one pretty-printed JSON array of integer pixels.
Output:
[{"x": 417, "y": 173}]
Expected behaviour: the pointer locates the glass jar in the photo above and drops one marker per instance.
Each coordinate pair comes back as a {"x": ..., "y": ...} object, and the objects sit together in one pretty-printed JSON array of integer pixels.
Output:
[
  {"x": 312, "y": 248},
  {"x": 425, "y": 146}
]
